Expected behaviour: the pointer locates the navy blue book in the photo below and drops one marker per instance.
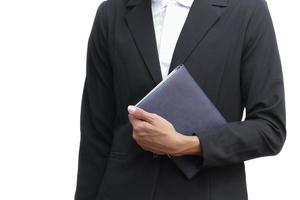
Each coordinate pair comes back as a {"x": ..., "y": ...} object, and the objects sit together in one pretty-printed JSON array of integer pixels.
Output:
[{"x": 180, "y": 100}]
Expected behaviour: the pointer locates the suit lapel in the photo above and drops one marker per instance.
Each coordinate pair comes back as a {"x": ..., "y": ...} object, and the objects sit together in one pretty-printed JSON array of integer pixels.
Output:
[
  {"x": 140, "y": 23},
  {"x": 202, "y": 16}
]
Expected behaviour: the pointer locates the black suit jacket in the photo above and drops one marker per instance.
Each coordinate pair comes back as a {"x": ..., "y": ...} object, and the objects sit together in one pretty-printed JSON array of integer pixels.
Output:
[{"x": 230, "y": 49}]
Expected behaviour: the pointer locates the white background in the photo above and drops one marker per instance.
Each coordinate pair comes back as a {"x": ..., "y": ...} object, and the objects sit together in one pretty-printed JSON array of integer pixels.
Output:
[{"x": 42, "y": 70}]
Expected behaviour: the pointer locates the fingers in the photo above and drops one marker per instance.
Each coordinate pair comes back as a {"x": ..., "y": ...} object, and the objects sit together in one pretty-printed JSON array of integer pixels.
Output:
[
  {"x": 141, "y": 127},
  {"x": 141, "y": 114},
  {"x": 143, "y": 124}
]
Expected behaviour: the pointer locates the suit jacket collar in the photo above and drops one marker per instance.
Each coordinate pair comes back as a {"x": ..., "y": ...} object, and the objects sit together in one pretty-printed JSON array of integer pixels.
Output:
[{"x": 202, "y": 16}]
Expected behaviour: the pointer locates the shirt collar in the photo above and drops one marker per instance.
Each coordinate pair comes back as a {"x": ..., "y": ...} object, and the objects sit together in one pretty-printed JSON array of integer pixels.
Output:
[{"x": 163, "y": 3}]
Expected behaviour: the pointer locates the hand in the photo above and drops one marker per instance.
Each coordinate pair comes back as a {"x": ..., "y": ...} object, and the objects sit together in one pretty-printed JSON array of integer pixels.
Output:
[{"x": 154, "y": 133}]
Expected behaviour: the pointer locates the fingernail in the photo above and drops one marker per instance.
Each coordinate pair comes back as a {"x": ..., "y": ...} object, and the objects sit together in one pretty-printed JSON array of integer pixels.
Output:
[{"x": 131, "y": 109}]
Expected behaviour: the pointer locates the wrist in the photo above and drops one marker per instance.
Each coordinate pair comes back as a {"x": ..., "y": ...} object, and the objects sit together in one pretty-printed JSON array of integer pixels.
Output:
[{"x": 188, "y": 145}]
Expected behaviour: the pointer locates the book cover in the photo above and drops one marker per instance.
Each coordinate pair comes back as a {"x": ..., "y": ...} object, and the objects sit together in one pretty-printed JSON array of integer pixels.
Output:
[{"x": 181, "y": 101}]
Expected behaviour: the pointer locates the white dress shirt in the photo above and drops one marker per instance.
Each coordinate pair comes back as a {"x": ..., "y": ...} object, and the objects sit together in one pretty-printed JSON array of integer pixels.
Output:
[{"x": 168, "y": 19}]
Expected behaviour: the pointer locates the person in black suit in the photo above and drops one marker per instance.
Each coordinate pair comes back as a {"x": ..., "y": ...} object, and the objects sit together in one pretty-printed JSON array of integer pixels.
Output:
[{"x": 230, "y": 49}]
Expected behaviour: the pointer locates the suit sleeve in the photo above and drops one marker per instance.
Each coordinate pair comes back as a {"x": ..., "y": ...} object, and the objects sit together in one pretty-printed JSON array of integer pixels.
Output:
[
  {"x": 97, "y": 112},
  {"x": 263, "y": 131}
]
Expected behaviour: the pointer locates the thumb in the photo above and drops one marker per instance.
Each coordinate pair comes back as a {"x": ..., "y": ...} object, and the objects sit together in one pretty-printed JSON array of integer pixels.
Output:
[{"x": 140, "y": 113}]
